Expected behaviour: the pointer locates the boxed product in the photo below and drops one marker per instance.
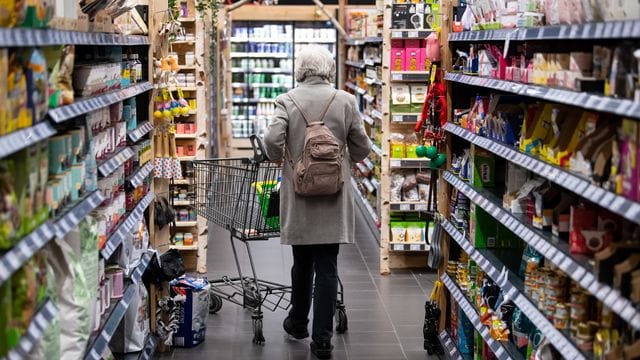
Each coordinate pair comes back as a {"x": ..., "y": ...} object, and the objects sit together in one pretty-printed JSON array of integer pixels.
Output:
[
  {"x": 413, "y": 60},
  {"x": 418, "y": 96},
  {"x": 193, "y": 310},
  {"x": 398, "y": 53},
  {"x": 400, "y": 98},
  {"x": 484, "y": 168},
  {"x": 93, "y": 79}
]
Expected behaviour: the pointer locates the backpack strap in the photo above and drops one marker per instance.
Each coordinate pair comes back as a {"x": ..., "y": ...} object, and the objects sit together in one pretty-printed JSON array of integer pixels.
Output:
[
  {"x": 322, "y": 114},
  {"x": 306, "y": 120}
]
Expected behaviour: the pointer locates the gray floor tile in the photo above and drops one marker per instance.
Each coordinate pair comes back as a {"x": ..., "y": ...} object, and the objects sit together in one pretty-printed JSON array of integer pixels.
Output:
[
  {"x": 386, "y": 352},
  {"x": 370, "y": 338}
]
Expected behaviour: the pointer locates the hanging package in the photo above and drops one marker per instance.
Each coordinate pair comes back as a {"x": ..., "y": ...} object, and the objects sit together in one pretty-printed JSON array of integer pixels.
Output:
[{"x": 133, "y": 330}]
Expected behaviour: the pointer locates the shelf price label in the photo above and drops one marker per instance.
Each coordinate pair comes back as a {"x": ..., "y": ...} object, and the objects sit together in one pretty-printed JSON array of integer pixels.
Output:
[
  {"x": 396, "y": 77},
  {"x": 415, "y": 247}
]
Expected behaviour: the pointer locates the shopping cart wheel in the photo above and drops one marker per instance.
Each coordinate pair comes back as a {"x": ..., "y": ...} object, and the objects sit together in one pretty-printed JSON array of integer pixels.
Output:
[
  {"x": 341, "y": 320},
  {"x": 215, "y": 303},
  {"x": 258, "y": 337}
]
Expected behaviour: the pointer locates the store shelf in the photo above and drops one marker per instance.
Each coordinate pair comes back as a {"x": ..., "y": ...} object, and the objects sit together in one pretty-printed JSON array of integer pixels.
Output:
[
  {"x": 185, "y": 88},
  {"x": 193, "y": 247},
  {"x": 449, "y": 346},
  {"x": 142, "y": 130},
  {"x": 624, "y": 29},
  {"x": 186, "y": 224},
  {"x": 187, "y": 67},
  {"x": 627, "y": 208},
  {"x": 24, "y": 138},
  {"x": 186, "y": 19},
  {"x": 181, "y": 203},
  {"x": 149, "y": 349},
  {"x": 596, "y": 102},
  {"x": 376, "y": 150},
  {"x": 369, "y": 98},
  {"x": 409, "y": 206},
  {"x": 496, "y": 346},
  {"x": 363, "y": 41},
  {"x": 260, "y": 55},
  {"x": 107, "y": 167},
  {"x": 370, "y": 215},
  {"x": 186, "y": 136},
  {"x": 261, "y": 70},
  {"x": 372, "y": 81},
  {"x": 368, "y": 119},
  {"x": 405, "y": 117},
  {"x": 410, "y": 76},
  {"x": 356, "y": 64},
  {"x": 260, "y": 40},
  {"x": 275, "y": 86},
  {"x": 76, "y": 212},
  {"x": 136, "y": 276},
  {"x": 492, "y": 267},
  {"x": 187, "y": 158},
  {"x": 376, "y": 114},
  {"x": 133, "y": 218},
  {"x": 24, "y": 250},
  {"x": 141, "y": 175},
  {"x": 246, "y": 100},
  {"x": 355, "y": 88},
  {"x": 577, "y": 268},
  {"x": 39, "y": 324},
  {"x": 410, "y": 34},
  {"x": 417, "y": 163},
  {"x": 182, "y": 182},
  {"x": 99, "y": 343},
  {"x": 86, "y": 105},
  {"x": 409, "y": 246},
  {"x": 315, "y": 41},
  {"x": 183, "y": 42},
  {"x": 24, "y": 37}
]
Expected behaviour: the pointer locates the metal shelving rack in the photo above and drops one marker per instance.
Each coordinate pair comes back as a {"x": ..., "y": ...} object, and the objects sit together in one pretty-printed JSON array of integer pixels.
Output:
[
  {"x": 578, "y": 268},
  {"x": 74, "y": 213}
]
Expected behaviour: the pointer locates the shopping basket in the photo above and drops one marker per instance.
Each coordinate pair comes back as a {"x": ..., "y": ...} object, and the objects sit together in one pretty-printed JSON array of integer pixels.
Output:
[{"x": 242, "y": 195}]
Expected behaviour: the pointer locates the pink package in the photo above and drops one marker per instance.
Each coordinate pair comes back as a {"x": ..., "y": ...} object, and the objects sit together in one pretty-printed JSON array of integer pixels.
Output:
[
  {"x": 397, "y": 55},
  {"x": 432, "y": 46},
  {"x": 412, "y": 55}
]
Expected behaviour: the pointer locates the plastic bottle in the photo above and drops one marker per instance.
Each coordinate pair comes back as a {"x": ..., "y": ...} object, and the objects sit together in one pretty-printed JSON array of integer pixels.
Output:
[{"x": 125, "y": 79}]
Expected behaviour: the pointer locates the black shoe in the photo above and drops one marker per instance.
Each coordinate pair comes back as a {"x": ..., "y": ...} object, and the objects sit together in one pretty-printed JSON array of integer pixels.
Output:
[
  {"x": 322, "y": 350},
  {"x": 299, "y": 333}
]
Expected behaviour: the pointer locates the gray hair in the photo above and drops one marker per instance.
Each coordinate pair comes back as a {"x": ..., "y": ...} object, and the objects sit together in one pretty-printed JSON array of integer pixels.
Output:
[{"x": 314, "y": 60}]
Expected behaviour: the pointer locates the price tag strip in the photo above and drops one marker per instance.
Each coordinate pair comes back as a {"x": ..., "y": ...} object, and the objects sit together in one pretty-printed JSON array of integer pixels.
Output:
[
  {"x": 20, "y": 253},
  {"x": 623, "y": 107},
  {"x": 141, "y": 175},
  {"x": 84, "y": 106},
  {"x": 616, "y": 302},
  {"x": 117, "y": 160},
  {"x": 413, "y": 76},
  {"x": 356, "y": 64},
  {"x": 627, "y": 208},
  {"x": 140, "y": 131},
  {"x": 410, "y": 247},
  {"x": 136, "y": 277},
  {"x": 23, "y": 37},
  {"x": 376, "y": 114},
  {"x": 496, "y": 346},
  {"x": 39, "y": 324},
  {"x": 125, "y": 228},
  {"x": 24, "y": 138},
  {"x": 603, "y": 30},
  {"x": 96, "y": 350},
  {"x": 149, "y": 349},
  {"x": 449, "y": 346},
  {"x": 77, "y": 213}
]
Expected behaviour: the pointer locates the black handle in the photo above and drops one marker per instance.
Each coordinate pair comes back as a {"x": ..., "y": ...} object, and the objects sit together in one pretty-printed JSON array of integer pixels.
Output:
[{"x": 259, "y": 154}]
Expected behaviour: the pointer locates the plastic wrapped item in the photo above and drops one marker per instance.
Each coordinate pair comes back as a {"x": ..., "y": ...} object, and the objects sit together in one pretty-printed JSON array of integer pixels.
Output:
[
  {"x": 423, "y": 191},
  {"x": 398, "y": 232},
  {"x": 193, "y": 303},
  {"x": 410, "y": 188},
  {"x": 397, "y": 179},
  {"x": 415, "y": 232}
]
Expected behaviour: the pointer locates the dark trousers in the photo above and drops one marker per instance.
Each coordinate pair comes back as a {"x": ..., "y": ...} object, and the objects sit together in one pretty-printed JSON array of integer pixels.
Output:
[{"x": 321, "y": 260}]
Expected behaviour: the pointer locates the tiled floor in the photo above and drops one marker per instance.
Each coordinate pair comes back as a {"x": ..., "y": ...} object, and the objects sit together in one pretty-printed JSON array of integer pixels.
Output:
[{"x": 385, "y": 312}]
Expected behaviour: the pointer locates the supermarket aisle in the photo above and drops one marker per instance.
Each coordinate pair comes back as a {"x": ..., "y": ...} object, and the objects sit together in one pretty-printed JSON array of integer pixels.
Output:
[{"x": 385, "y": 313}]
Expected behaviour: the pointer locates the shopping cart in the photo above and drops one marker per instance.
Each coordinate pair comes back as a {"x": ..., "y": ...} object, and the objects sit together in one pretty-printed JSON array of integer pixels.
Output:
[{"x": 242, "y": 195}]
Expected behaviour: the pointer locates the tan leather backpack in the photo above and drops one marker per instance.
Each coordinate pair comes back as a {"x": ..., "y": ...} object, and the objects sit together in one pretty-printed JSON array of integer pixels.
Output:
[{"x": 318, "y": 171}]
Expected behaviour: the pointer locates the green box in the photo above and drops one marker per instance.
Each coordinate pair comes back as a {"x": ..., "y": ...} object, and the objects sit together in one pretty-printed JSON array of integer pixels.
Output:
[
  {"x": 484, "y": 168},
  {"x": 483, "y": 228}
]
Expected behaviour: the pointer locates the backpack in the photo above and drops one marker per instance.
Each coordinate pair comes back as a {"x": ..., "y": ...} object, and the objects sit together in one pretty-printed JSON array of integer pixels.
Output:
[{"x": 318, "y": 171}]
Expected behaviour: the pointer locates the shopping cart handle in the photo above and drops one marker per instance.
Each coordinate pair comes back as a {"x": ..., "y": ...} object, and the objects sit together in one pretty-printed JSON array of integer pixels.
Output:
[{"x": 259, "y": 154}]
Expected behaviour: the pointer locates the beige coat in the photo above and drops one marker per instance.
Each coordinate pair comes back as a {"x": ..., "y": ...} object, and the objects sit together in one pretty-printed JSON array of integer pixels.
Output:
[{"x": 316, "y": 220}]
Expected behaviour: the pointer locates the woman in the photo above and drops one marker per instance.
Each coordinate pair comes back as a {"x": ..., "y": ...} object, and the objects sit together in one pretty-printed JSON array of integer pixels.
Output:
[{"x": 315, "y": 226}]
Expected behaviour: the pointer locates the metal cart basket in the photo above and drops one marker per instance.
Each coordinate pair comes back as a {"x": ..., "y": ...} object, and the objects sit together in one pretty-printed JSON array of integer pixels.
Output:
[{"x": 242, "y": 195}]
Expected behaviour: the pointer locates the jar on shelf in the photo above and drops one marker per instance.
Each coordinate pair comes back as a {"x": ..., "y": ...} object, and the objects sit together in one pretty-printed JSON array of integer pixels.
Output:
[
  {"x": 183, "y": 215},
  {"x": 190, "y": 58},
  {"x": 188, "y": 238},
  {"x": 179, "y": 239}
]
